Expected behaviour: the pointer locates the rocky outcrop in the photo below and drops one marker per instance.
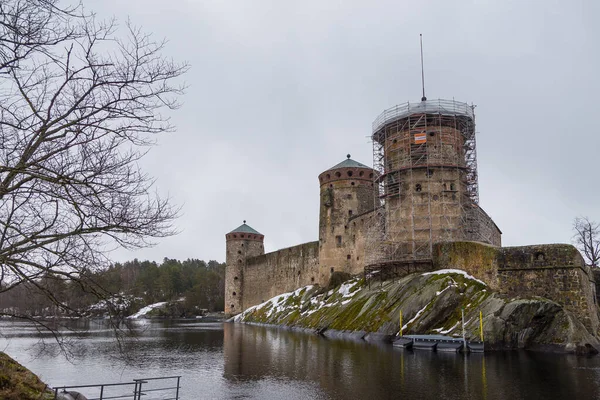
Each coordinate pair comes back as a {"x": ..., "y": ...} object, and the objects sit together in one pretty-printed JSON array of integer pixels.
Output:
[
  {"x": 18, "y": 383},
  {"x": 431, "y": 303}
]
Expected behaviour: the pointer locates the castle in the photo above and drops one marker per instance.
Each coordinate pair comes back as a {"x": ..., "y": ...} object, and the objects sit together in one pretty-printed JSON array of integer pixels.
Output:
[{"x": 402, "y": 216}]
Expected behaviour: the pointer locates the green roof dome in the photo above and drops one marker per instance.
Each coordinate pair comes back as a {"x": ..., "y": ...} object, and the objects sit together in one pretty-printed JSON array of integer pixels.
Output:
[
  {"x": 245, "y": 229},
  {"x": 348, "y": 163}
]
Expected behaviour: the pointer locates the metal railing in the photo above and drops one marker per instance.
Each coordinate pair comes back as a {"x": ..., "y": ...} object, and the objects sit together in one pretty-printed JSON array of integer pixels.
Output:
[
  {"x": 443, "y": 107},
  {"x": 129, "y": 390}
]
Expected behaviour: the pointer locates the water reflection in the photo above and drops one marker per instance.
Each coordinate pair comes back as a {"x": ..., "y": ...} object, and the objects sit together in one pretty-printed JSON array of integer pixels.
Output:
[
  {"x": 345, "y": 370},
  {"x": 224, "y": 361}
]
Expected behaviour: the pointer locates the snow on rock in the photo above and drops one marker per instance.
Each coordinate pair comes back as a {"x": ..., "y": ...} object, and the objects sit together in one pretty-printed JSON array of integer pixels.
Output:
[
  {"x": 417, "y": 315},
  {"x": 147, "y": 309},
  {"x": 276, "y": 304},
  {"x": 455, "y": 271},
  {"x": 344, "y": 290}
]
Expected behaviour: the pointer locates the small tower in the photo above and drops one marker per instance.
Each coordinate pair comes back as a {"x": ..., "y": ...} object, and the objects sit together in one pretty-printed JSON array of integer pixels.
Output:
[
  {"x": 242, "y": 243},
  {"x": 346, "y": 192}
]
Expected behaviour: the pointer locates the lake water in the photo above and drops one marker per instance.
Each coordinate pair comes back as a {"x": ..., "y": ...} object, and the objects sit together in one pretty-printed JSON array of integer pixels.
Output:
[{"x": 230, "y": 361}]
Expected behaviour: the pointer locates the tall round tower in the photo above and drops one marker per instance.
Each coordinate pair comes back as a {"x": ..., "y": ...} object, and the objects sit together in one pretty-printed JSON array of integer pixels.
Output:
[
  {"x": 346, "y": 192},
  {"x": 241, "y": 243},
  {"x": 426, "y": 159}
]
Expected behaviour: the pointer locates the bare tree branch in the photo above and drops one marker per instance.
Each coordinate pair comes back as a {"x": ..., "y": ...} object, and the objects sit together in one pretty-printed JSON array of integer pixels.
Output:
[
  {"x": 80, "y": 104},
  {"x": 587, "y": 239}
]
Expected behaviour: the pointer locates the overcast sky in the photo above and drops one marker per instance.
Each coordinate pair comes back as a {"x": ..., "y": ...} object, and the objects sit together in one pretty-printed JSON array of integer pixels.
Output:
[{"x": 280, "y": 91}]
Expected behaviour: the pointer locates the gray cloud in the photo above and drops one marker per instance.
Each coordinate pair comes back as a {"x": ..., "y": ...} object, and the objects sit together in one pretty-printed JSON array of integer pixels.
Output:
[{"x": 280, "y": 91}]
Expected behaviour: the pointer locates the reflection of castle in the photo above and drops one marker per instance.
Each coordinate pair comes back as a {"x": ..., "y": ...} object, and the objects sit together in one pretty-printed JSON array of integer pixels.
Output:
[{"x": 422, "y": 190}]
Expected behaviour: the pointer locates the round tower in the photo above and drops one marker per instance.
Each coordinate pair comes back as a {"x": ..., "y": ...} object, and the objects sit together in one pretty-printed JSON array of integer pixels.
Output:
[
  {"x": 425, "y": 155},
  {"x": 241, "y": 243},
  {"x": 346, "y": 192}
]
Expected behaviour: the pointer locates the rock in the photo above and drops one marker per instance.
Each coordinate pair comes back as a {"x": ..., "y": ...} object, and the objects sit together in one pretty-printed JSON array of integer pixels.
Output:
[
  {"x": 71, "y": 395},
  {"x": 432, "y": 304}
]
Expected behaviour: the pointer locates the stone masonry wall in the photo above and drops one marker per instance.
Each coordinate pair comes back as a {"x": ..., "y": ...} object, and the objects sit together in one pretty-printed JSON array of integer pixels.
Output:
[
  {"x": 556, "y": 272},
  {"x": 281, "y": 271}
]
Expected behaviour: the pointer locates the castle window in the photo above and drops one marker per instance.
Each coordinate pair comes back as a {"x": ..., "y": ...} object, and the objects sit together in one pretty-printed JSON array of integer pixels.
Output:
[
  {"x": 312, "y": 278},
  {"x": 332, "y": 270},
  {"x": 361, "y": 173},
  {"x": 418, "y": 187},
  {"x": 431, "y": 133},
  {"x": 350, "y": 173},
  {"x": 328, "y": 176},
  {"x": 352, "y": 183},
  {"x": 429, "y": 173},
  {"x": 539, "y": 256},
  {"x": 330, "y": 186},
  {"x": 235, "y": 278},
  {"x": 232, "y": 306},
  {"x": 235, "y": 237},
  {"x": 239, "y": 252},
  {"x": 345, "y": 227},
  {"x": 357, "y": 258},
  {"x": 350, "y": 213},
  {"x": 338, "y": 174},
  {"x": 239, "y": 261},
  {"x": 348, "y": 257},
  {"x": 234, "y": 293},
  {"x": 452, "y": 186},
  {"x": 371, "y": 175},
  {"x": 395, "y": 141},
  {"x": 338, "y": 241}
]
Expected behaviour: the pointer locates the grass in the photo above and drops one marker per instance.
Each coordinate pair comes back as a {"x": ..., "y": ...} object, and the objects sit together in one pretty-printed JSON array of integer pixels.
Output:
[{"x": 18, "y": 383}]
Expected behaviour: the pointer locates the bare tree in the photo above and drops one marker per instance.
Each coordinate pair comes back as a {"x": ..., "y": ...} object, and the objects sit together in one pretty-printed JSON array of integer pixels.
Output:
[
  {"x": 587, "y": 239},
  {"x": 80, "y": 102}
]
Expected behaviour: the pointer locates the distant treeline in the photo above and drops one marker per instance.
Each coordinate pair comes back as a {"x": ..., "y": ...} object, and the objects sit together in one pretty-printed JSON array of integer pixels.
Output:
[{"x": 195, "y": 283}]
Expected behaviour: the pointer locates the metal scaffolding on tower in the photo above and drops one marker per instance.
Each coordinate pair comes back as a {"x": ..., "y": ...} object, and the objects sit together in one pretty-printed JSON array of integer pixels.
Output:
[{"x": 426, "y": 162}]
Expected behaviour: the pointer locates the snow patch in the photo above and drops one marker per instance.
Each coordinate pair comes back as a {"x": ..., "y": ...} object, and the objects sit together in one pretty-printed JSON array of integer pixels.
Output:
[
  {"x": 454, "y": 271},
  {"x": 277, "y": 304},
  {"x": 417, "y": 315},
  {"x": 444, "y": 331},
  {"x": 145, "y": 310}
]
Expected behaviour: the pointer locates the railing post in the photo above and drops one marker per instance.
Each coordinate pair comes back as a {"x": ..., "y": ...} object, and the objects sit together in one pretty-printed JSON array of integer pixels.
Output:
[
  {"x": 177, "y": 394},
  {"x": 101, "y": 392},
  {"x": 55, "y": 393}
]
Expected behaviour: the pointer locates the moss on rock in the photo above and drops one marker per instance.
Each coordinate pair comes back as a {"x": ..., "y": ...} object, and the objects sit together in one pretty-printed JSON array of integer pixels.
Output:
[{"x": 18, "y": 383}]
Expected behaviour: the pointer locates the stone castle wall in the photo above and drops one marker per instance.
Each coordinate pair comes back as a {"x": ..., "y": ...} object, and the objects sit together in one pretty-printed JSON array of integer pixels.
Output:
[
  {"x": 281, "y": 271},
  {"x": 345, "y": 194},
  {"x": 555, "y": 271}
]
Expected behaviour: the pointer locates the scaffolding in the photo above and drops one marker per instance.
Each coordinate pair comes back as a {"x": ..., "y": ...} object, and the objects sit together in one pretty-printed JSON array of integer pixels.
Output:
[{"x": 426, "y": 182}]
